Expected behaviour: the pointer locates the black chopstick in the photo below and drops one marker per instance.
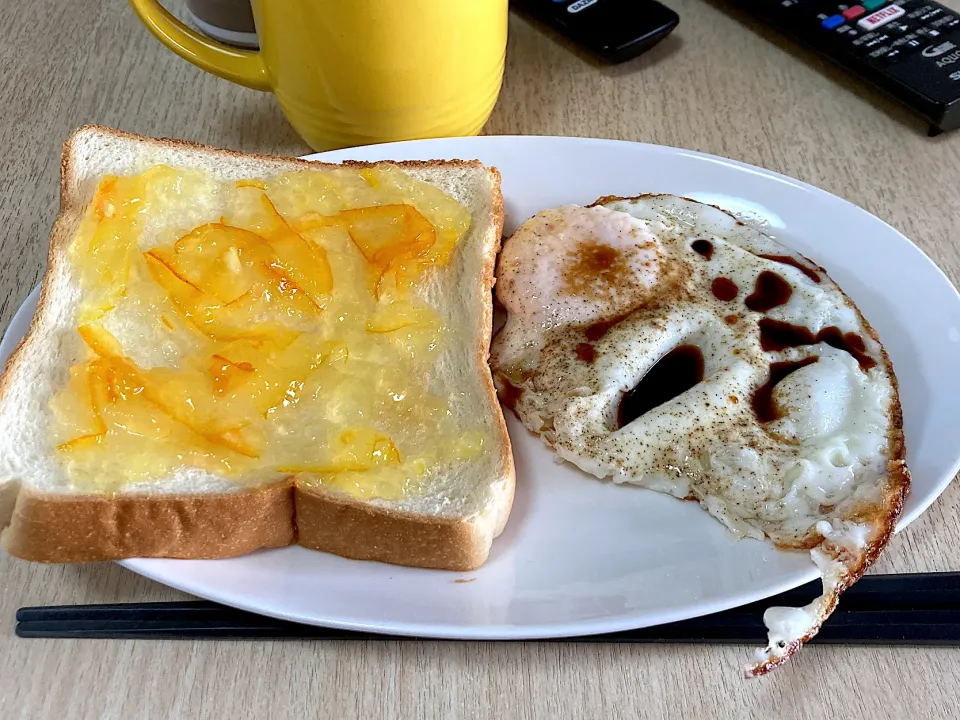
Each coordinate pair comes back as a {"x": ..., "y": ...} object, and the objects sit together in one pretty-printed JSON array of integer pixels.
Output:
[{"x": 909, "y": 609}]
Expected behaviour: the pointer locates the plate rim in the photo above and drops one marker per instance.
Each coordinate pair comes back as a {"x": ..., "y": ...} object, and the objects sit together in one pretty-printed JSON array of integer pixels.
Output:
[{"x": 580, "y": 627}]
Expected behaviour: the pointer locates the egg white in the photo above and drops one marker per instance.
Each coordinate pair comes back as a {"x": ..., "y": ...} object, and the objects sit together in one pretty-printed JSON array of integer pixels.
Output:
[{"x": 802, "y": 480}]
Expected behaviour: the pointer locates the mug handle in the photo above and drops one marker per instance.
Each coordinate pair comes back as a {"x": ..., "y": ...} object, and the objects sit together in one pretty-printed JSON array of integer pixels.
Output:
[{"x": 244, "y": 67}]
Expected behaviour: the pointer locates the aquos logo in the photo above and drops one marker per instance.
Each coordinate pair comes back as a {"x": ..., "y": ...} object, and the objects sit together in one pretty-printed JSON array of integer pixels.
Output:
[
  {"x": 938, "y": 50},
  {"x": 949, "y": 59}
]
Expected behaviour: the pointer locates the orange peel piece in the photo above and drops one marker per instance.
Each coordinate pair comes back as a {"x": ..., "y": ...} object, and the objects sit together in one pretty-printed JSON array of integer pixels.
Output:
[{"x": 227, "y": 374}]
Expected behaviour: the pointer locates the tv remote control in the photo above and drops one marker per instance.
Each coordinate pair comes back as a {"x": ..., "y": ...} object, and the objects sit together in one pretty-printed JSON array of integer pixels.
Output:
[
  {"x": 614, "y": 30},
  {"x": 908, "y": 48}
]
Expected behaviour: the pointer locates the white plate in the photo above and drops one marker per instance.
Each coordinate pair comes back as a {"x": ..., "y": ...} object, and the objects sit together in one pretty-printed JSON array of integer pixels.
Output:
[{"x": 580, "y": 556}]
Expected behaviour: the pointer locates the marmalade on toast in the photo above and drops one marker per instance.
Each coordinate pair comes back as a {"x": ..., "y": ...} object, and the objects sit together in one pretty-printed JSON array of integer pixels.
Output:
[{"x": 263, "y": 327}]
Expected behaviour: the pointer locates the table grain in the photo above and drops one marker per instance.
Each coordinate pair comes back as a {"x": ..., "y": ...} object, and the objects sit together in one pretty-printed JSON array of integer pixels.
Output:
[{"x": 720, "y": 84}]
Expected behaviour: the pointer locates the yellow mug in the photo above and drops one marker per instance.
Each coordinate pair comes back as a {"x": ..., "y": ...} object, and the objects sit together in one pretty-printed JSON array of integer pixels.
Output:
[{"x": 355, "y": 72}]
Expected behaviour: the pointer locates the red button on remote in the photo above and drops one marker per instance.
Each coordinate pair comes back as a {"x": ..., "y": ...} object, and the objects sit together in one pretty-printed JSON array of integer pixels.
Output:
[{"x": 852, "y": 13}]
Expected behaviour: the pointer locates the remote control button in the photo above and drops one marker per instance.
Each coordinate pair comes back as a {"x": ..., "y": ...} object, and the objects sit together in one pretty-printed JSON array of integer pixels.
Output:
[
  {"x": 947, "y": 20},
  {"x": 881, "y": 17},
  {"x": 852, "y": 13},
  {"x": 832, "y": 22},
  {"x": 878, "y": 41},
  {"x": 897, "y": 28},
  {"x": 919, "y": 11},
  {"x": 929, "y": 32},
  {"x": 871, "y": 5},
  {"x": 908, "y": 42},
  {"x": 893, "y": 56}
]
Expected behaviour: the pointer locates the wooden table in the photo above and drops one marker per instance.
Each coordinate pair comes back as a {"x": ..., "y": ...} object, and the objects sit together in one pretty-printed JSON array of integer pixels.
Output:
[{"x": 719, "y": 84}]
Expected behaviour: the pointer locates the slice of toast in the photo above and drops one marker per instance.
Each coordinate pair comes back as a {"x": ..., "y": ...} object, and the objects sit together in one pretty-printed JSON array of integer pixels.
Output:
[{"x": 450, "y": 524}]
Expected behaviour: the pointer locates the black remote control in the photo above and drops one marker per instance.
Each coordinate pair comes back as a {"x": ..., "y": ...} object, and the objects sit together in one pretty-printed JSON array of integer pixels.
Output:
[
  {"x": 908, "y": 48},
  {"x": 614, "y": 30}
]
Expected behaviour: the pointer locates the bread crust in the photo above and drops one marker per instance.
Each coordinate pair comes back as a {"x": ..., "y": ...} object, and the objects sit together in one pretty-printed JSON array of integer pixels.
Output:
[
  {"x": 354, "y": 529},
  {"x": 83, "y": 528},
  {"x": 49, "y": 527}
]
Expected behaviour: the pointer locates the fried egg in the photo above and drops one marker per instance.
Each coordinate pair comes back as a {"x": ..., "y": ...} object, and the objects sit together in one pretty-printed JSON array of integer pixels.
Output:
[{"x": 662, "y": 342}]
